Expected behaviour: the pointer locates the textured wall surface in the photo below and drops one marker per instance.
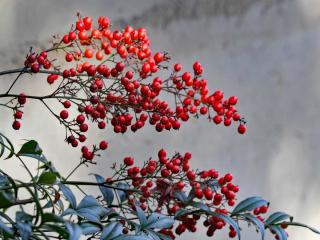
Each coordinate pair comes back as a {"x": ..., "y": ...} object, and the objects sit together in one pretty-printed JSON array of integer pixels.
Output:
[{"x": 265, "y": 51}]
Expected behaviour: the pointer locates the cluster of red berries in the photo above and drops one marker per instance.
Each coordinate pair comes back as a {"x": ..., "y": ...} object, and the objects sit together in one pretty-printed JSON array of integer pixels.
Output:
[
  {"x": 163, "y": 178},
  {"x": 113, "y": 82}
]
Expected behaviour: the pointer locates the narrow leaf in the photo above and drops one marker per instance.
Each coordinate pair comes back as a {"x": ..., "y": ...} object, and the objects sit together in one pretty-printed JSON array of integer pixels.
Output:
[
  {"x": 249, "y": 204},
  {"x": 282, "y": 235},
  {"x": 278, "y": 217},
  {"x": 107, "y": 193},
  {"x": 140, "y": 214},
  {"x": 256, "y": 222},
  {"x": 74, "y": 231},
  {"x": 68, "y": 194},
  {"x": 111, "y": 231},
  {"x": 122, "y": 194},
  {"x": 301, "y": 225},
  {"x": 30, "y": 147},
  {"x": 47, "y": 178}
]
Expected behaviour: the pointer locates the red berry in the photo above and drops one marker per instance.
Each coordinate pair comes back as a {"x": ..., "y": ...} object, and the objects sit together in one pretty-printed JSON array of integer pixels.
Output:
[
  {"x": 18, "y": 115},
  {"x": 158, "y": 57},
  {"x": 35, "y": 68},
  {"x": 16, "y": 125},
  {"x": 103, "y": 145},
  {"x": 67, "y": 104},
  {"x": 64, "y": 114},
  {"x": 198, "y": 193},
  {"x": 69, "y": 57},
  {"x": 128, "y": 161},
  {"x": 165, "y": 173},
  {"x": 88, "y": 53},
  {"x": 242, "y": 128},
  {"x": 177, "y": 67}
]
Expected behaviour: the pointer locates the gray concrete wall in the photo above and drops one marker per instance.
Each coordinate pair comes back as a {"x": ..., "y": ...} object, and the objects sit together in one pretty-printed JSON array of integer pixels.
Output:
[{"x": 266, "y": 52}]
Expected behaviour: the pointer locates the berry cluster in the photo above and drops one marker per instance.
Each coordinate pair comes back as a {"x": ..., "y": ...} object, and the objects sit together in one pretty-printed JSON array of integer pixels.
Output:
[
  {"x": 162, "y": 181},
  {"x": 113, "y": 82}
]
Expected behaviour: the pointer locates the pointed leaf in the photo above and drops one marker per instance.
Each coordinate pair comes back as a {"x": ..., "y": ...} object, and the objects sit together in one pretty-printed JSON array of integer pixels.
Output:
[
  {"x": 30, "y": 147},
  {"x": 158, "y": 221},
  {"x": 90, "y": 209},
  {"x": 11, "y": 148},
  {"x": 122, "y": 194},
  {"x": 89, "y": 228},
  {"x": 5, "y": 228},
  {"x": 301, "y": 225},
  {"x": 181, "y": 212},
  {"x": 282, "y": 235},
  {"x": 47, "y": 178},
  {"x": 256, "y": 222},
  {"x": 107, "y": 193},
  {"x": 68, "y": 194},
  {"x": 74, "y": 230},
  {"x": 227, "y": 219},
  {"x": 1, "y": 146},
  {"x": 111, "y": 231},
  {"x": 180, "y": 196},
  {"x": 132, "y": 237},
  {"x": 140, "y": 214},
  {"x": 249, "y": 204},
  {"x": 278, "y": 217}
]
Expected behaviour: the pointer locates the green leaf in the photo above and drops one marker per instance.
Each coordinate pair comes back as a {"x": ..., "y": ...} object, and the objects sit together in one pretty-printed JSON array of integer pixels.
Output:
[
  {"x": 106, "y": 192},
  {"x": 181, "y": 212},
  {"x": 111, "y": 231},
  {"x": 30, "y": 147},
  {"x": 249, "y": 204},
  {"x": 74, "y": 230},
  {"x": 256, "y": 222},
  {"x": 1, "y": 146},
  {"x": 58, "y": 229},
  {"x": 132, "y": 237},
  {"x": 158, "y": 221},
  {"x": 301, "y": 225},
  {"x": 200, "y": 205},
  {"x": 140, "y": 214},
  {"x": 89, "y": 228},
  {"x": 227, "y": 219},
  {"x": 50, "y": 217},
  {"x": 5, "y": 228},
  {"x": 282, "y": 235},
  {"x": 68, "y": 194},
  {"x": 11, "y": 148},
  {"x": 5, "y": 201},
  {"x": 47, "y": 178},
  {"x": 122, "y": 194},
  {"x": 278, "y": 217},
  {"x": 89, "y": 208},
  {"x": 180, "y": 196}
]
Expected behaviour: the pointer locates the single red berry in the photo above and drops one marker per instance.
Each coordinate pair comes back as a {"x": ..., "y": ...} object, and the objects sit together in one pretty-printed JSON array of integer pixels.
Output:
[
  {"x": 18, "y": 115},
  {"x": 83, "y": 127},
  {"x": 35, "y": 68},
  {"x": 16, "y": 125},
  {"x": 67, "y": 104},
  {"x": 158, "y": 57},
  {"x": 103, "y": 145},
  {"x": 165, "y": 173},
  {"x": 242, "y": 128},
  {"x": 177, "y": 67},
  {"x": 129, "y": 161},
  {"x": 88, "y": 53},
  {"x": 69, "y": 57},
  {"x": 64, "y": 114}
]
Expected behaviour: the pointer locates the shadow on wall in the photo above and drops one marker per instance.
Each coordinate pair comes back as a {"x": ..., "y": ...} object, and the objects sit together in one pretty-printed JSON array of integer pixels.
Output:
[{"x": 264, "y": 51}]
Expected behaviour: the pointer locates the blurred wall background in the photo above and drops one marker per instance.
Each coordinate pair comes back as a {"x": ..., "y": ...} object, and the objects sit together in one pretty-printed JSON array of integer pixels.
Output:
[{"x": 265, "y": 51}]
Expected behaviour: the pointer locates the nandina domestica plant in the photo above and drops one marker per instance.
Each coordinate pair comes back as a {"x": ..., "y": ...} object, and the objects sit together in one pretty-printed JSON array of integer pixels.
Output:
[{"x": 110, "y": 77}]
